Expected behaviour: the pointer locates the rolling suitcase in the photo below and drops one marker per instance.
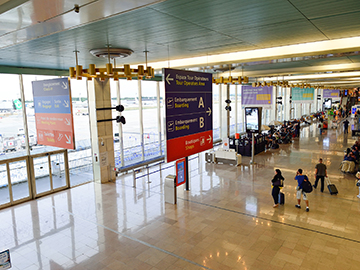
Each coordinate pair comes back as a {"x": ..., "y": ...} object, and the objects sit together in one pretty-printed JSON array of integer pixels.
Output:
[
  {"x": 281, "y": 198},
  {"x": 332, "y": 188}
]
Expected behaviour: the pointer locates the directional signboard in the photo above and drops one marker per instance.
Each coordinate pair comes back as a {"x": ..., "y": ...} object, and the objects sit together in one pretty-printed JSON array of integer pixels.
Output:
[
  {"x": 53, "y": 113},
  {"x": 188, "y": 106}
]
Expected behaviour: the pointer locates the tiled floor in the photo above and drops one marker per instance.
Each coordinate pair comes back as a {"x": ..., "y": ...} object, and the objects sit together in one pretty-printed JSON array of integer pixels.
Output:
[{"x": 226, "y": 220}]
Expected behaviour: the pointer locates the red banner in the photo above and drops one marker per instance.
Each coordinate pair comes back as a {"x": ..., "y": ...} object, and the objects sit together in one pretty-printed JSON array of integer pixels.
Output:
[
  {"x": 56, "y": 138},
  {"x": 189, "y": 145},
  {"x": 58, "y": 121}
]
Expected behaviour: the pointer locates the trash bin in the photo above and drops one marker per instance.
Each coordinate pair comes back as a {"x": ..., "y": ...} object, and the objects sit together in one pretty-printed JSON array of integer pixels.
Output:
[
  {"x": 170, "y": 189},
  {"x": 238, "y": 159}
]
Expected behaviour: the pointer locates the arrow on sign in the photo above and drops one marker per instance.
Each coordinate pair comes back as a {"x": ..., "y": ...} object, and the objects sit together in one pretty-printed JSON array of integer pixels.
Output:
[
  {"x": 209, "y": 139},
  {"x": 66, "y": 103},
  {"x": 169, "y": 79},
  {"x": 67, "y": 122},
  {"x": 60, "y": 137},
  {"x": 209, "y": 111},
  {"x": 64, "y": 85},
  {"x": 68, "y": 139}
]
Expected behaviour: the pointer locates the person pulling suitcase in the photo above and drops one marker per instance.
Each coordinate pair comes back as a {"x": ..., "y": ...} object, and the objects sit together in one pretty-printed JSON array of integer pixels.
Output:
[
  {"x": 320, "y": 174},
  {"x": 277, "y": 183}
]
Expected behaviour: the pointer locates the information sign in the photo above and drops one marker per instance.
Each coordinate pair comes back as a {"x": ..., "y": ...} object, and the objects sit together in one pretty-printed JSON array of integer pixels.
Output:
[
  {"x": 53, "y": 113},
  {"x": 253, "y": 119},
  {"x": 302, "y": 95},
  {"x": 256, "y": 96},
  {"x": 188, "y": 106},
  {"x": 17, "y": 104},
  {"x": 331, "y": 93},
  {"x": 5, "y": 262},
  {"x": 180, "y": 172}
]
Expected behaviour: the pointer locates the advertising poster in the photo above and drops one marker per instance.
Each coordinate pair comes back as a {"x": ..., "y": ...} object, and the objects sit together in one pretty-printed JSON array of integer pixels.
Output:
[
  {"x": 5, "y": 262},
  {"x": 252, "y": 119},
  {"x": 302, "y": 95},
  {"x": 331, "y": 93},
  {"x": 53, "y": 113},
  {"x": 256, "y": 96},
  {"x": 180, "y": 172}
]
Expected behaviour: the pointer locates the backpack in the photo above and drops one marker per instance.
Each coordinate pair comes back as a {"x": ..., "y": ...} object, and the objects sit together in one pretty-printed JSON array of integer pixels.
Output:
[
  {"x": 306, "y": 186},
  {"x": 275, "y": 146}
]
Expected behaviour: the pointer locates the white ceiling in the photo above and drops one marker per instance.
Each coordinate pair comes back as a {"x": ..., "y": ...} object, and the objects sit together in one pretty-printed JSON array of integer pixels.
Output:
[{"x": 256, "y": 38}]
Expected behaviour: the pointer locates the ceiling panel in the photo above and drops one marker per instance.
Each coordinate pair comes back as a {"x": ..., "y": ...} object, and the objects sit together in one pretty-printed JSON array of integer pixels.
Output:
[
  {"x": 328, "y": 61},
  {"x": 340, "y": 26},
  {"x": 326, "y": 8},
  {"x": 173, "y": 29},
  {"x": 280, "y": 34}
]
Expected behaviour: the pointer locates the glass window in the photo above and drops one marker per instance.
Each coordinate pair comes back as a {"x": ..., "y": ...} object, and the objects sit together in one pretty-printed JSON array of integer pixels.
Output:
[
  {"x": 12, "y": 133},
  {"x": 216, "y": 112},
  {"x": 239, "y": 112},
  {"x": 131, "y": 130},
  {"x": 30, "y": 113},
  {"x": 233, "y": 111},
  {"x": 80, "y": 160},
  {"x": 150, "y": 119}
]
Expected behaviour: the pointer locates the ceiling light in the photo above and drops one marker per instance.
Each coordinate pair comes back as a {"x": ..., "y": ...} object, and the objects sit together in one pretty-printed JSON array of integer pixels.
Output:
[{"x": 111, "y": 52}]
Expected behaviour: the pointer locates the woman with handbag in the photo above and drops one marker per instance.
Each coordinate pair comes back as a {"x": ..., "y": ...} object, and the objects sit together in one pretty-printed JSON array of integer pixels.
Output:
[{"x": 277, "y": 183}]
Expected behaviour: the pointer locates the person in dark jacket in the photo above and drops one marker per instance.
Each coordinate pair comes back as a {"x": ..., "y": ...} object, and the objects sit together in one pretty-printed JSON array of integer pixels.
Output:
[{"x": 277, "y": 182}]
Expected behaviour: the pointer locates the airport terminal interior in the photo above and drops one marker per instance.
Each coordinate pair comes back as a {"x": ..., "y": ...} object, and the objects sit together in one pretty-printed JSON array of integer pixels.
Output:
[{"x": 89, "y": 182}]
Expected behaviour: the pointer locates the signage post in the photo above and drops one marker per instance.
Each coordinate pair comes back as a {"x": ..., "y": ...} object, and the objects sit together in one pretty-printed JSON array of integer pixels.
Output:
[{"x": 188, "y": 107}]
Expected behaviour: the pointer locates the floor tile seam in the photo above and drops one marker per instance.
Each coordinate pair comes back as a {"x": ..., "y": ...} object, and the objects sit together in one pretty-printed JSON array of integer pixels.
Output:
[
  {"x": 267, "y": 219},
  {"x": 271, "y": 220},
  {"x": 139, "y": 241},
  {"x": 232, "y": 180}
]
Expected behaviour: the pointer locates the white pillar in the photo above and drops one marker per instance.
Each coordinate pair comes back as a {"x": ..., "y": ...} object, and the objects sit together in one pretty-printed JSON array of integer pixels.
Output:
[{"x": 273, "y": 107}]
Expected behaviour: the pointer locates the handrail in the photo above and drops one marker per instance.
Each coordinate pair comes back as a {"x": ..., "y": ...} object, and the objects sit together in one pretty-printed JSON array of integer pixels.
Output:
[{"x": 147, "y": 168}]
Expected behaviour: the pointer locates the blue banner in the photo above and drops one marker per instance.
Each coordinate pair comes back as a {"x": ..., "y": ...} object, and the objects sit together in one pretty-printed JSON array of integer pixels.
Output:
[
  {"x": 52, "y": 104},
  {"x": 302, "y": 95},
  {"x": 55, "y": 87}
]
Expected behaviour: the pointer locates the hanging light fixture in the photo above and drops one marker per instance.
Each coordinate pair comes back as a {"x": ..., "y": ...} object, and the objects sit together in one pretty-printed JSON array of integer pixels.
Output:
[{"x": 109, "y": 71}]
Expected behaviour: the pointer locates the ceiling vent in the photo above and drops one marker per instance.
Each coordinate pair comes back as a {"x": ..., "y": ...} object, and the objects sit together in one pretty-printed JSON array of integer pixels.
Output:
[{"x": 112, "y": 52}]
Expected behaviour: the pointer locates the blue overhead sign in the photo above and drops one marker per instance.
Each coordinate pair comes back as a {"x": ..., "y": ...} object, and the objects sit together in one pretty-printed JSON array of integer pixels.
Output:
[
  {"x": 55, "y": 104},
  {"x": 188, "y": 105},
  {"x": 55, "y": 87},
  {"x": 53, "y": 113}
]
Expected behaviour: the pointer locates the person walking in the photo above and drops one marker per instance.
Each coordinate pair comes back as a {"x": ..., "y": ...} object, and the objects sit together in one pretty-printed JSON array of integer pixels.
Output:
[
  {"x": 277, "y": 183},
  {"x": 320, "y": 173},
  {"x": 321, "y": 125},
  {"x": 300, "y": 178},
  {"x": 346, "y": 126}
]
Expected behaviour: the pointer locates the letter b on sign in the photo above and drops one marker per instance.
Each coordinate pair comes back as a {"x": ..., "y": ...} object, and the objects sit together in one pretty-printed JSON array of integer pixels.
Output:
[{"x": 201, "y": 122}]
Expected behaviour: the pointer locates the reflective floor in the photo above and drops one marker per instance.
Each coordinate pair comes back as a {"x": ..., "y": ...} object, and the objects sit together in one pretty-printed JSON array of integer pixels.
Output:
[{"x": 225, "y": 221}]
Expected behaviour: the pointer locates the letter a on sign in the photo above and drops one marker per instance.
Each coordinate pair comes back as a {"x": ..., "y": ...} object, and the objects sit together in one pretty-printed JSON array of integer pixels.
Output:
[{"x": 201, "y": 103}]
